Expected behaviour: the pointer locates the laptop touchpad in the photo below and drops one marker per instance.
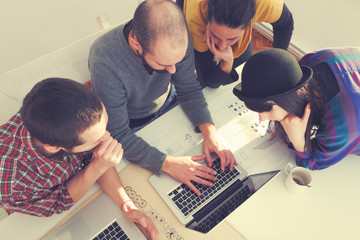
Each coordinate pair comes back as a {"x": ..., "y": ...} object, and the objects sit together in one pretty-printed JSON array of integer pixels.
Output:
[{"x": 75, "y": 229}]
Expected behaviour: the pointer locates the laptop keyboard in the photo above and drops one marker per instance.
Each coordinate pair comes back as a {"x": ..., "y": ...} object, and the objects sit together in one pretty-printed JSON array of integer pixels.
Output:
[
  {"x": 112, "y": 232},
  {"x": 222, "y": 212},
  {"x": 187, "y": 201}
]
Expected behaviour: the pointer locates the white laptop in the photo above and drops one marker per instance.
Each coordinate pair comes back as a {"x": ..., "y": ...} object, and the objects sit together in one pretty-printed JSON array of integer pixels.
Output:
[
  {"x": 203, "y": 213},
  {"x": 99, "y": 219}
]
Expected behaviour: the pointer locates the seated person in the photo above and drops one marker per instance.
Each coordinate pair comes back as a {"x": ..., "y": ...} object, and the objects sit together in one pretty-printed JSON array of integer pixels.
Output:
[
  {"x": 313, "y": 104},
  {"x": 135, "y": 69},
  {"x": 56, "y": 148},
  {"x": 221, "y": 32}
]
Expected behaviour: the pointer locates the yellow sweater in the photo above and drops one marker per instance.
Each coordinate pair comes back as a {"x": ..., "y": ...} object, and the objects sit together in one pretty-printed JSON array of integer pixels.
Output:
[{"x": 196, "y": 13}]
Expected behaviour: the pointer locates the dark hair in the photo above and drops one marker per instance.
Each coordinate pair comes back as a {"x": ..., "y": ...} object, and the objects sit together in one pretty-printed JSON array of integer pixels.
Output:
[
  {"x": 231, "y": 13},
  {"x": 57, "y": 110},
  {"x": 158, "y": 18},
  {"x": 295, "y": 104}
]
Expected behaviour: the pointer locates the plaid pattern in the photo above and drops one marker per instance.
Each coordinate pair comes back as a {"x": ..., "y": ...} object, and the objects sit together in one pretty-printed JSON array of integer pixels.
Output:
[{"x": 30, "y": 182}]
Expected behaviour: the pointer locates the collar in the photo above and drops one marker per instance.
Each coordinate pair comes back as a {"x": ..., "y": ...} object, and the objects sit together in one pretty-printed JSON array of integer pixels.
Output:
[
  {"x": 43, "y": 163},
  {"x": 326, "y": 75}
]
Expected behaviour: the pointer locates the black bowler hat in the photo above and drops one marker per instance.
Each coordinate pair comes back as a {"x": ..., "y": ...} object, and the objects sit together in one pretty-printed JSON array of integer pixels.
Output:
[{"x": 270, "y": 74}]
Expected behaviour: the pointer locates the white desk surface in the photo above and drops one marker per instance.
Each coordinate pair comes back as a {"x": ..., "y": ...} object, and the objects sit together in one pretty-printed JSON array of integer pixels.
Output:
[{"x": 328, "y": 210}]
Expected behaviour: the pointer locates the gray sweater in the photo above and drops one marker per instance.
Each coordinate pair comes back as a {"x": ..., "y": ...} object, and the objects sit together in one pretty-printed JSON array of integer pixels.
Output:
[{"x": 128, "y": 91}]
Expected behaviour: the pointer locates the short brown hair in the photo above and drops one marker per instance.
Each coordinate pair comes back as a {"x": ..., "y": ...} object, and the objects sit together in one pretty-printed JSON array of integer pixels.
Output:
[{"x": 57, "y": 110}]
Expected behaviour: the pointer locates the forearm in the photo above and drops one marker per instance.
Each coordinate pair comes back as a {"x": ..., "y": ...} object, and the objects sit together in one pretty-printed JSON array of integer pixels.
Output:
[
  {"x": 80, "y": 184},
  {"x": 207, "y": 129},
  {"x": 299, "y": 146},
  {"x": 190, "y": 95},
  {"x": 210, "y": 73},
  {"x": 283, "y": 29},
  {"x": 56, "y": 200},
  {"x": 226, "y": 65},
  {"x": 111, "y": 183},
  {"x": 298, "y": 142},
  {"x": 149, "y": 157},
  {"x": 325, "y": 153}
]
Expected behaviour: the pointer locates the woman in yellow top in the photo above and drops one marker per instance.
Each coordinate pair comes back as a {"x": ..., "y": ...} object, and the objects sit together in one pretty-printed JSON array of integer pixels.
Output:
[{"x": 221, "y": 33}]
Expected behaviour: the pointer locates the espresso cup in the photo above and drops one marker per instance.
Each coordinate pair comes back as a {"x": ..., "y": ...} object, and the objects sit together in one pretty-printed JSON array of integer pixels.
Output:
[{"x": 298, "y": 179}]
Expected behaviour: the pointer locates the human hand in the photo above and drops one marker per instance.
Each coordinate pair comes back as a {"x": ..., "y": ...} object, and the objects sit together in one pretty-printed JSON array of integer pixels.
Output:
[
  {"x": 295, "y": 128},
  {"x": 224, "y": 53},
  {"x": 145, "y": 224},
  {"x": 213, "y": 144},
  {"x": 186, "y": 169},
  {"x": 108, "y": 153}
]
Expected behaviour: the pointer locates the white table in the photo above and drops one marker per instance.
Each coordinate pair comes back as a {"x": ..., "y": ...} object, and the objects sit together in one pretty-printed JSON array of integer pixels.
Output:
[{"x": 329, "y": 210}]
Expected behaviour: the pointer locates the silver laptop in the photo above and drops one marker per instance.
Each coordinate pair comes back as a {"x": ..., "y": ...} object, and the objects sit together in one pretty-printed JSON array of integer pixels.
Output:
[
  {"x": 203, "y": 213},
  {"x": 99, "y": 219}
]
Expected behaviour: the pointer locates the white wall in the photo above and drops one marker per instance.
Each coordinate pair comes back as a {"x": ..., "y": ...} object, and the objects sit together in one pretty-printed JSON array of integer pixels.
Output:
[
  {"x": 325, "y": 23},
  {"x": 48, "y": 38},
  {"x": 32, "y": 28}
]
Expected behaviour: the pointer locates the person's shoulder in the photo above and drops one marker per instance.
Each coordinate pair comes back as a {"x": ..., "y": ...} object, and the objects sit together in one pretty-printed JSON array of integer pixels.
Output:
[
  {"x": 11, "y": 144},
  {"x": 190, "y": 4},
  {"x": 109, "y": 40},
  {"x": 14, "y": 123},
  {"x": 268, "y": 10},
  {"x": 331, "y": 55},
  {"x": 341, "y": 51},
  {"x": 195, "y": 10},
  {"x": 268, "y": 2},
  {"x": 196, "y": 13},
  {"x": 110, "y": 49}
]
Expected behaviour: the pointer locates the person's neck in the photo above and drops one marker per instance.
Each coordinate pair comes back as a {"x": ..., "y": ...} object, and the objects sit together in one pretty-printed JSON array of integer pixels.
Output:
[
  {"x": 41, "y": 148},
  {"x": 142, "y": 60}
]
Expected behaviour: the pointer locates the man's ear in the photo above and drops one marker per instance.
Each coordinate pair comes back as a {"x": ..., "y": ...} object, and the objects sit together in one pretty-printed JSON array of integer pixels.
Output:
[
  {"x": 51, "y": 149},
  {"x": 135, "y": 43}
]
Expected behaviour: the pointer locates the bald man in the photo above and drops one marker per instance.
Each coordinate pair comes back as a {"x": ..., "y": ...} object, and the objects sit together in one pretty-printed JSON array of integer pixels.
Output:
[{"x": 140, "y": 70}]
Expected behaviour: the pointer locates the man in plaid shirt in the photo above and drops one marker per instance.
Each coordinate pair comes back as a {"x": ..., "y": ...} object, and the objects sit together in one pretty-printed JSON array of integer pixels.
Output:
[{"x": 55, "y": 148}]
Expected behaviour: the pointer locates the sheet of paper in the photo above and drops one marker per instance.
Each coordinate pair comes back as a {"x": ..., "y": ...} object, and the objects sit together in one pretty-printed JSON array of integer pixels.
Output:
[{"x": 238, "y": 128}]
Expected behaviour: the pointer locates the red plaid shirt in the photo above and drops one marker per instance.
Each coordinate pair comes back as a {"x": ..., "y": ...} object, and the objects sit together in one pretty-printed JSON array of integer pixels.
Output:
[{"x": 30, "y": 182}]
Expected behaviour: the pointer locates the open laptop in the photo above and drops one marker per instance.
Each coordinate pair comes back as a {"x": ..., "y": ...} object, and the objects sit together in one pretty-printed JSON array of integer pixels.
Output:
[
  {"x": 99, "y": 219},
  {"x": 203, "y": 213}
]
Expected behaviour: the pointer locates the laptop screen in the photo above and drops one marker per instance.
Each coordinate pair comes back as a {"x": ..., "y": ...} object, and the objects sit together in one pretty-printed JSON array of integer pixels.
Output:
[{"x": 220, "y": 207}]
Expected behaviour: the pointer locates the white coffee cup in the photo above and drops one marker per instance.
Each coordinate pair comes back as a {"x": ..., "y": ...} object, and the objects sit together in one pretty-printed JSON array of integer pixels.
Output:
[{"x": 298, "y": 178}]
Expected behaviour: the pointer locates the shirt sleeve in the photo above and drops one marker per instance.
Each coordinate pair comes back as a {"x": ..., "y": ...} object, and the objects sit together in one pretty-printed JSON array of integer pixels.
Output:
[
  {"x": 268, "y": 11},
  {"x": 283, "y": 29},
  {"x": 113, "y": 95},
  {"x": 37, "y": 201},
  {"x": 210, "y": 73},
  {"x": 326, "y": 153},
  {"x": 189, "y": 91},
  {"x": 196, "y": 13}
]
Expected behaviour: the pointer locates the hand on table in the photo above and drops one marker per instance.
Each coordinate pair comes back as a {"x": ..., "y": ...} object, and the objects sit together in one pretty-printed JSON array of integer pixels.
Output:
[
  {"x": 186, "y": 169},
  {"x": 133, "y": 214}
]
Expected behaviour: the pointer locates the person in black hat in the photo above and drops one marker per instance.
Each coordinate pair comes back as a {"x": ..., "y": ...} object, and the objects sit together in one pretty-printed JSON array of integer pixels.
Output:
[{"x": 312, "y": 105}]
